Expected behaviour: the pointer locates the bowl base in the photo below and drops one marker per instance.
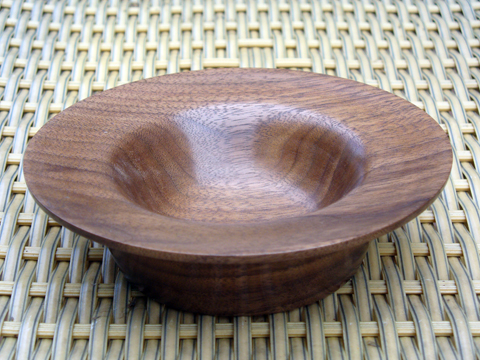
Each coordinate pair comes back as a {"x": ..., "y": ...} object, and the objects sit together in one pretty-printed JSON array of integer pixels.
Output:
[{"x": 229, "y": 290}]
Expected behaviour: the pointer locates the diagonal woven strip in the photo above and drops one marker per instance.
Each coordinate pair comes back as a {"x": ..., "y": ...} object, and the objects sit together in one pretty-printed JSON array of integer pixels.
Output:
[{"x": 416, "y": 296}]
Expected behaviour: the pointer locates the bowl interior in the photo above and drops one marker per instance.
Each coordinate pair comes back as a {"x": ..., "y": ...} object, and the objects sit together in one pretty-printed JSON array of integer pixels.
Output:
[{"x": 238, "y": 162}]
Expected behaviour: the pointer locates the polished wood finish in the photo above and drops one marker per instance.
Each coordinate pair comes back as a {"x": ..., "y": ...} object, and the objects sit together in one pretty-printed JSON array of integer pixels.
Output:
[
  {"x": 238, "y": 191},
  {"x": 238, "y": 163}
]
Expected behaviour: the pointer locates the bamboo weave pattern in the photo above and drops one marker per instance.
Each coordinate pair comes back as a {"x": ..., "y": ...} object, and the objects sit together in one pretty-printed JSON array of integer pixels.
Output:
[{"x": 415, "y": 297}]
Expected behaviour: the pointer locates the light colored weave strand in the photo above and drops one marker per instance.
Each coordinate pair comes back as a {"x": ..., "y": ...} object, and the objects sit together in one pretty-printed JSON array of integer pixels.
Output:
[{"x": 416, "y": 296}]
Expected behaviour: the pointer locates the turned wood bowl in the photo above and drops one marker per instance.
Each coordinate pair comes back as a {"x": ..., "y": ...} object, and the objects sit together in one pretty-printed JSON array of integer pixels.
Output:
[{"x": 238, "y": 191}]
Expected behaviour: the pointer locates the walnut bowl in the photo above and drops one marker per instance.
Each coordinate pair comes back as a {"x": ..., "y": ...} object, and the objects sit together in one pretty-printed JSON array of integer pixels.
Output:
[{"x": 238, "y": 191}]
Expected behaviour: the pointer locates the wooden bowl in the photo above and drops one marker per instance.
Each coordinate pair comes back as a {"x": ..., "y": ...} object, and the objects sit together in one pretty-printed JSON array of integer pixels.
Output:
[{"x": 238, "y": 191}]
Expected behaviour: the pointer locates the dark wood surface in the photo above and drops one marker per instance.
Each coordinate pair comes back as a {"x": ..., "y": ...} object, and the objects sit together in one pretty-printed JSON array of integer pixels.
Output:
[{"x": 238, "y": 191}]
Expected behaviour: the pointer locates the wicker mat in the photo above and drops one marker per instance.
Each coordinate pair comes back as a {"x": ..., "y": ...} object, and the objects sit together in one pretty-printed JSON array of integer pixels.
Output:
[{"x": 415, "y": 297}]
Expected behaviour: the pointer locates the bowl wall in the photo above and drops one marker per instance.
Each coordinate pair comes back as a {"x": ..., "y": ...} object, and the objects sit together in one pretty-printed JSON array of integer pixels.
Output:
[{"x": 249, "y": 289}]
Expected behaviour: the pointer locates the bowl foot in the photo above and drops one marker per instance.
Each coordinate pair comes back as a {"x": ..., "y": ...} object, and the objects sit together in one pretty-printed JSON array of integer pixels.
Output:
[{"x": 250, "y": 289}]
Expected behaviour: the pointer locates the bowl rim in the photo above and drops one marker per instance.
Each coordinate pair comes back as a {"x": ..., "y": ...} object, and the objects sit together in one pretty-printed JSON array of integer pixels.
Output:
[{"x": 351, "y": 221}]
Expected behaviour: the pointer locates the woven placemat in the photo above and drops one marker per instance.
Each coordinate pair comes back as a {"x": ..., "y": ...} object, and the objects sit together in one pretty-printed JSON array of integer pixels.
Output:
[{"x": 415, "y": 297}]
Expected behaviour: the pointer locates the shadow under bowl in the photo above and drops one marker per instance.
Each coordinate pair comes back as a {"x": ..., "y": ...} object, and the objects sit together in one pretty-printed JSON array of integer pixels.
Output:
[{"x": 238, "y": 191}]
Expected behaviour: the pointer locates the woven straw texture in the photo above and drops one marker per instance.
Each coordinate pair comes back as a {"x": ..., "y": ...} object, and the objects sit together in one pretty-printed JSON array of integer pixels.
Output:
[{"x": 416, "y": 295}]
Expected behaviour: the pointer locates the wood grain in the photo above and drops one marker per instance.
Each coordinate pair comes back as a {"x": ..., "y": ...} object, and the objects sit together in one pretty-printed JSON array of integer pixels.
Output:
[
  {"x": 238, "y": 191},
  {"x": 239, "y": 163}
]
